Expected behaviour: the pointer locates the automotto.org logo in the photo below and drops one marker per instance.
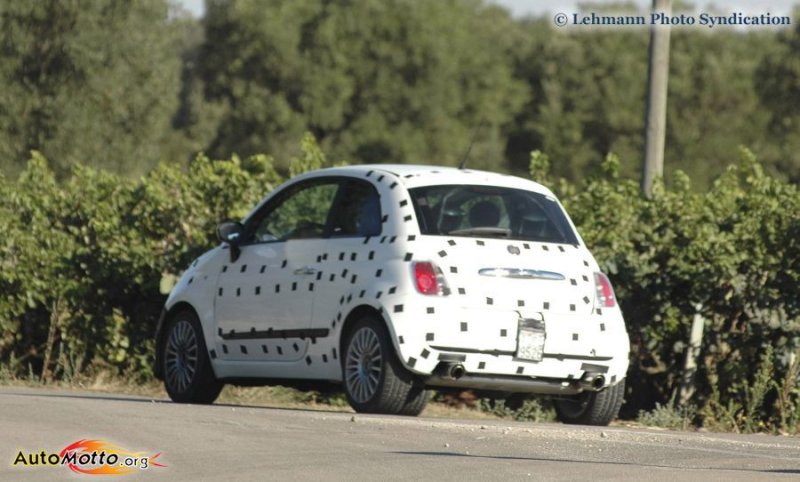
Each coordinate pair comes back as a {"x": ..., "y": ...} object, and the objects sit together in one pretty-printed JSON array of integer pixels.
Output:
[{"x": 93, "y": 457}]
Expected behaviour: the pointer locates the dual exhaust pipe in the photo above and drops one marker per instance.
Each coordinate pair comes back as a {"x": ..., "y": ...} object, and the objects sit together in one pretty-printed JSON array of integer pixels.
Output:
[{"x": 591, "y": 381}]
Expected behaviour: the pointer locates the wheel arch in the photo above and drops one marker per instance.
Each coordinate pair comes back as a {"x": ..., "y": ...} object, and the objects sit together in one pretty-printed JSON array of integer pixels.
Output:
[
  {"x": 406, "y": 393},
  {"x": 358, "y": 313}
]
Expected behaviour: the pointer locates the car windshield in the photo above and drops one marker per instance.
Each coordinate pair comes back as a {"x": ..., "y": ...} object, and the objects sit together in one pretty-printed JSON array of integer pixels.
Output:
[{"x": 491, "y": 211}]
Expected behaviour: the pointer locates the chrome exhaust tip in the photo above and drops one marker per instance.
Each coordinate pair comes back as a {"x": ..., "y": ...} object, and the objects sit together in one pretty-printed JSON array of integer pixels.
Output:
[
  {"x": 450, "y": 370},
  {"x": 592, "y": 381},
  {"x": 457, "y": 371}
]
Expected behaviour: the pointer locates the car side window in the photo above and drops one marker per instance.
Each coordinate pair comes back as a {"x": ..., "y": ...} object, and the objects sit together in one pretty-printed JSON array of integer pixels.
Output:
[
  {"x": 302, "y": 214},
  {"x": 357, "y": 211}
]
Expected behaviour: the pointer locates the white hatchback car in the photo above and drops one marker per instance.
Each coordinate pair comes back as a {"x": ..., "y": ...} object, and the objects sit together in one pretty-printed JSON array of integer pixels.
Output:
[{"x": 389, "y": 279}]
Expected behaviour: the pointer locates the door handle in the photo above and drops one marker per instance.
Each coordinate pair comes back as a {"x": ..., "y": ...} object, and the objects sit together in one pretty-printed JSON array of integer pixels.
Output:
[{"x": 305, "y": 270}]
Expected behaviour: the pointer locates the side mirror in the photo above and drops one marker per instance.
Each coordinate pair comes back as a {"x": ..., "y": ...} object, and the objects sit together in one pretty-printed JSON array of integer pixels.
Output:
[{"x": 230, "y": 232}]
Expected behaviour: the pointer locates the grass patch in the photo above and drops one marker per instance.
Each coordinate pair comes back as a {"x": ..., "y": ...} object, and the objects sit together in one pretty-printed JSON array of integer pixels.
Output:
[{"x": 669, "y": 416}]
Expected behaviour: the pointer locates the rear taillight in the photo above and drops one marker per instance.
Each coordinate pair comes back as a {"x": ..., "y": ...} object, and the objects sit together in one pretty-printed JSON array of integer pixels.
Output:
[
  {"x": 429, "y": 279},
  {"x": 605, "y": 292}
]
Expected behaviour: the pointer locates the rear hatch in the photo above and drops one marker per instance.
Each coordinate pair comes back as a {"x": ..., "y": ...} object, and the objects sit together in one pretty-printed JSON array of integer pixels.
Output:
[
  {"x": 522, "y": 276},
  {"x": 508, "y": 254},
  {"x": 496, "y": 284}
]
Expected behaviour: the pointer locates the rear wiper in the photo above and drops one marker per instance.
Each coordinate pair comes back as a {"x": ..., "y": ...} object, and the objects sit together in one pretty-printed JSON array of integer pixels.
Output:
[{"x": 482, "y": 231}]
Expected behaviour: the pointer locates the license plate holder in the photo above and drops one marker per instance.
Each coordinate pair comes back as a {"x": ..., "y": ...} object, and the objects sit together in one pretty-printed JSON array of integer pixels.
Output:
[{"x": 530, "y": 339}]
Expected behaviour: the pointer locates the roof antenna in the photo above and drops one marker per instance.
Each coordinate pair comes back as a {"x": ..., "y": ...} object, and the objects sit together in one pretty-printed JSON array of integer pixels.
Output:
[{"x": 472, "y": 141}]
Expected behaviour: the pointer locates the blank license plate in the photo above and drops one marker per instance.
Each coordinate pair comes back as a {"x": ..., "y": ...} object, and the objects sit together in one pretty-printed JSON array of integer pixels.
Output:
[{"x": 530, "y": 340}]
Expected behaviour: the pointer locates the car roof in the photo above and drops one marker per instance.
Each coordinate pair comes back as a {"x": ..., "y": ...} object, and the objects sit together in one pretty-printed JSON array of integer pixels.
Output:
[{"x": 417, "y": 175}]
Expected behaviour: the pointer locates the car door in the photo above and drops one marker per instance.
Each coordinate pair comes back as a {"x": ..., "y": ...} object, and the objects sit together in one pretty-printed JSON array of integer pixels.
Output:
[
  {"x": 266, "y": 293},
  {"x": 345, "y": 263}
]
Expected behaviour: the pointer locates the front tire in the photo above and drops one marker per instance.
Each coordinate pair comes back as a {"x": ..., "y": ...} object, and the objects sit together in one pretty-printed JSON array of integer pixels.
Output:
[
  {"x": 374, "y": 379},
  {"x": 188, "y": 376},
  {"x": 592, "y": 408}
]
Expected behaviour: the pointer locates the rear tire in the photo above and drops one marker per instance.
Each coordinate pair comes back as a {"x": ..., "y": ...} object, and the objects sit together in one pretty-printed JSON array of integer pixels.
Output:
[
  {"x": 416, "y": 400},
  {"x": 374, "y": 379},
  {"x": 188, "y": 376},
  {"x": 592, "y": 408}
]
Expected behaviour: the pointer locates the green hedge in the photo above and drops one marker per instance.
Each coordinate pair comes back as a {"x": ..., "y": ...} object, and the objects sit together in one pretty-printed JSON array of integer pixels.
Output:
[
  {"x": 86, "y": 263},
  {"x": 733, "y": 253}
]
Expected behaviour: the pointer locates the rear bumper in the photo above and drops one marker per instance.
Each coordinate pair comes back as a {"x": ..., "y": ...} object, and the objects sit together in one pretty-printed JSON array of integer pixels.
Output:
[
  {"x": 486, "y": 343},
  {"x": 507, "y": 384},
  {"x": 553, "y": 375}
]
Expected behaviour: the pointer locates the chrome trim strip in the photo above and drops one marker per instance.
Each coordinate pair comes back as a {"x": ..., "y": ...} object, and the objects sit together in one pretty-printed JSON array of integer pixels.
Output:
[{"x": 521, "y": 273}]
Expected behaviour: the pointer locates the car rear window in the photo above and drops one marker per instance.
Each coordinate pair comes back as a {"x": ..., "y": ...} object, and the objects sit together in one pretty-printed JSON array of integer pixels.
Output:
[{"x": 491, "y": 211}]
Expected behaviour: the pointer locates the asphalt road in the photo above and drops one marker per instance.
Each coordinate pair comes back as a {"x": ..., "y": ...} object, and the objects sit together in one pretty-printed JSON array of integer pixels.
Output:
[{"x": 222, "y": 442}]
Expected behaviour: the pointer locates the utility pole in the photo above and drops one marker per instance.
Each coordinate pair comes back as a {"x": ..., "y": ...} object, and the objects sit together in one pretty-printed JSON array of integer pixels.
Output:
[{"x": 656, "y": 120}]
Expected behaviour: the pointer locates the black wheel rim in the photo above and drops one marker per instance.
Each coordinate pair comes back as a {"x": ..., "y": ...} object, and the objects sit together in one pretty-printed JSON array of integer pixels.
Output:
[
  {"x": 363, "y": 365},
  {"x": 181, "y": 356}
]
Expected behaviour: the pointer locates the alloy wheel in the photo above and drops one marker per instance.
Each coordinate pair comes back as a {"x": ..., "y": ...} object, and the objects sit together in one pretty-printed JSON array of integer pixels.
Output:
[
  {"x": 364, "y": 364},
  {"x": 181, "y": 358}
]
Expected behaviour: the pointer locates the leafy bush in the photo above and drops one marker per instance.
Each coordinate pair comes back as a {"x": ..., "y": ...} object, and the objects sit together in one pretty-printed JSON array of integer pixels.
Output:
[
  {"x": 86, "y": 264},
  {"x": 669, "y": 416},
  {"x": 731, "y": 254},
  {"x": 530, "y": 410}
]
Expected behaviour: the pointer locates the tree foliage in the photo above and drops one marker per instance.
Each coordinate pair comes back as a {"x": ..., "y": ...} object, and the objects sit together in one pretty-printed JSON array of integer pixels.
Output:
[
  {"x": 778, "y": 81},
  {"x": 86, "y": 82},
  {"x": 122, "y": 85},
  {"x": 374, "y": 80}
]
